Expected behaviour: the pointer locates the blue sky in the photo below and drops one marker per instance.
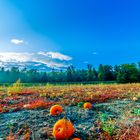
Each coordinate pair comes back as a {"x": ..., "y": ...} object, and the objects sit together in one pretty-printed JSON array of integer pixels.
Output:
[{"x": 70, "y": 32}]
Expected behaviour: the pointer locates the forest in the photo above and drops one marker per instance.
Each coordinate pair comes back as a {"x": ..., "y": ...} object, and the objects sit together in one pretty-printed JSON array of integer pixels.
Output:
[{"x": 124, "y": 73}]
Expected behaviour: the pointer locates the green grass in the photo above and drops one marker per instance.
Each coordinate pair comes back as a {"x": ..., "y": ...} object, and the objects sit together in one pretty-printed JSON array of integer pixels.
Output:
[{"x": 61, "y": 83}]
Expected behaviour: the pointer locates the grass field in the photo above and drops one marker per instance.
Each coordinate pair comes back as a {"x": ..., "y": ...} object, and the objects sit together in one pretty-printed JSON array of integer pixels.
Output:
[
  {"x": 114, "y": 115},
  {"x": 61, "y": 83}
]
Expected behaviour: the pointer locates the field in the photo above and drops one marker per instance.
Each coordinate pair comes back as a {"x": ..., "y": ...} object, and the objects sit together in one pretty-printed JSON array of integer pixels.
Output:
[{"x": 114, "y": 114}]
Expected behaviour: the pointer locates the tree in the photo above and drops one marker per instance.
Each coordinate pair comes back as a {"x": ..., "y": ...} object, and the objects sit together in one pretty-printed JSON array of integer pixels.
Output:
[
  {"x": 101, "y": 72},
  {"x": 95, "y": 75},
  {"x": 69, "y": 74},
  {"x": 89, "y": 73},
  {"x": 108, "y": 73},
  {"x": 121, "y": 73},
  {"x": 128, "y": 73}
]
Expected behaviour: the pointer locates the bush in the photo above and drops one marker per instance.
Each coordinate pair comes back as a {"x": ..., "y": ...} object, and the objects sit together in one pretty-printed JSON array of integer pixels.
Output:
[{"x": 15, "y": 88}]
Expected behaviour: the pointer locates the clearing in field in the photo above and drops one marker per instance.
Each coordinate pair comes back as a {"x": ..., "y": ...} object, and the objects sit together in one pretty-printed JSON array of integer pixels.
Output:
[{"x": 87, "y": 112}]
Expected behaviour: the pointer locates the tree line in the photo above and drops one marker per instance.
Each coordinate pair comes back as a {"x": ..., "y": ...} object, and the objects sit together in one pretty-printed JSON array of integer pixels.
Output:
[{"x": 124, "y": 73}]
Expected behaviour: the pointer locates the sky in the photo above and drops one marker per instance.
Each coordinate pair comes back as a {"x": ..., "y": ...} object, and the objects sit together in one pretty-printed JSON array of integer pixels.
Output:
[{"x": 59, "y": 33}]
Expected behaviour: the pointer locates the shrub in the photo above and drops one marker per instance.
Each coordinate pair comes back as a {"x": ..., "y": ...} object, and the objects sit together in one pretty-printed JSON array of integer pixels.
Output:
[{"x": 15, "y": 88}]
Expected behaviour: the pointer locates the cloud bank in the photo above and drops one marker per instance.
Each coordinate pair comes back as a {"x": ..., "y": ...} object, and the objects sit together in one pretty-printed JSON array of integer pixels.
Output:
[{"x": 45, "y": 59}]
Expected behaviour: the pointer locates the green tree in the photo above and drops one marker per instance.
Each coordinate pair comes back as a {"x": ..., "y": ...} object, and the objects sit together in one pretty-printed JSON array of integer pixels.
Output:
[
  {"x": 101, "y": 72},
  {"x": 89, "y": 73},
  {"x": 128, "y": 73}
]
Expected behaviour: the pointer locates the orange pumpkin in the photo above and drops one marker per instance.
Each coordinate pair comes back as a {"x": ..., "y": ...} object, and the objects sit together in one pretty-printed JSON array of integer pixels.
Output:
[
  {"x": 87, "y": 105},
  {"x": 76, "y": 139},
  {"x": 63, "y": 129},
  {"x": 56, "y": 110}
]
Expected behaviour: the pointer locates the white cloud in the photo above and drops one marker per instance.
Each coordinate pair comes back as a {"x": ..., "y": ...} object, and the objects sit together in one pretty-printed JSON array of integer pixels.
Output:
[
  {"x": 56, "y": 55},
  {"x": 95, "y": 53},
  {"x": 15, "y": 57},
  {"x": 42, "y": 53},
  {"x": 37, "y": 58},
  {"x": 17, "y": 41}
]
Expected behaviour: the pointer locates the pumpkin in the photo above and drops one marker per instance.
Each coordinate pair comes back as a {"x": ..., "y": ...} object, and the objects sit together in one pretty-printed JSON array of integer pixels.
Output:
[
  {"x": 63, "y": 129},
  {"x": 76, "y": 139},
  {"x": 87, "y": 105},
  {"x": 56, "y": 110}
]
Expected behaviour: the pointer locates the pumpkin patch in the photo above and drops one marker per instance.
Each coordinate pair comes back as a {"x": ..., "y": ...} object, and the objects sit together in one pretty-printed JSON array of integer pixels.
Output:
[{"x": 42, "y": 109}]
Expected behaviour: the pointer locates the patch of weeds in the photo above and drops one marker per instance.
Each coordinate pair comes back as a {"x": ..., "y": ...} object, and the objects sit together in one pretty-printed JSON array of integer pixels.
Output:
[
  {"x": 80, "y": 104},
  {"x": 109, "y": 127},
  {"x": 107, "y": 124},
  {"x": 15, "y": 88},
  {"x": 136, "y": 111}
]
